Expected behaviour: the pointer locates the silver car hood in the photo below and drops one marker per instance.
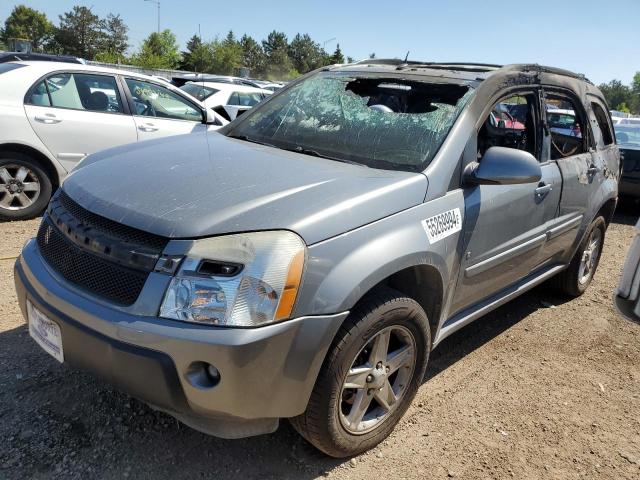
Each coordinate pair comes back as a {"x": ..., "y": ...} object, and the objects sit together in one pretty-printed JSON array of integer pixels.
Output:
[{"x": 200, "y": 185}]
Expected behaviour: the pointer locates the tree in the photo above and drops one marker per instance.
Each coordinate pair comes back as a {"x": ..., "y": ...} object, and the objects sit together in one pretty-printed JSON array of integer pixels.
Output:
[
  {"x": 159, "y": 50},
  {"x": 116, "y": 39},
  {"x": 305, "y": 54},
  {"x": 29, "y": 24},
  {"x": 227, "y": 55},
  {"x": 81, "y": 33},
  {"x": 198, "y": 57},
  {"x": 253, "y": 56},
  {"x": 275, "y": 41},
  {"x": 337, "y": 56},
  {"x": 372, "y": 55},
  {"x": 616, "y": 93},
  {"x": 623, "y": 108}
]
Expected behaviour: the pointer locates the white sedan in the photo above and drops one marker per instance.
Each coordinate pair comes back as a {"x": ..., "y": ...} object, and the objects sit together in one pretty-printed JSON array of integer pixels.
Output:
[
  {"x": 52, "y": 115},
  {"x": 227, "y": 99}
]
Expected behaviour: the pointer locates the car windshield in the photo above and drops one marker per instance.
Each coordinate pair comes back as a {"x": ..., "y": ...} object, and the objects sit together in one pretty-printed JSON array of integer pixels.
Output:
[
  {"x": 198, "y": 90},
  {"x": 387, "y": 123},
  {"x": 628, "y": 135}
]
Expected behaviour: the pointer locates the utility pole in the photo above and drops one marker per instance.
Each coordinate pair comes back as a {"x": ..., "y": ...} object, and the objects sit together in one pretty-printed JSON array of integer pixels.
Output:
[{"x": 157, "y": 2}]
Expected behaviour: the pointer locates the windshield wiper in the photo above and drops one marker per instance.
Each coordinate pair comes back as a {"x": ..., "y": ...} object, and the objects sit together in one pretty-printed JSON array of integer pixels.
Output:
[
  {"x": 315, "y": 153},
  {"x": 245, "y": 138},
  {"x": 386, "y": 165}
]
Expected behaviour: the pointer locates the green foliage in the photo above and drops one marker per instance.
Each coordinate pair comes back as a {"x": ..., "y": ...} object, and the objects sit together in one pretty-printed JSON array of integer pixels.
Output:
[
  {"x": 337, "y": 56},
  {"x": 159, "y": 50},
  {"x": 305, "y": 54},
  {"x": 623, "y": 108},
  {"x": 80, "y": 33},
  {"x": 29, "y": 24},
  {"x": 253, "y": 57},
  {"x": 116, "y": 39},
  {"x": 617, "y": 94},
  {"x": 227, "y": 55}
]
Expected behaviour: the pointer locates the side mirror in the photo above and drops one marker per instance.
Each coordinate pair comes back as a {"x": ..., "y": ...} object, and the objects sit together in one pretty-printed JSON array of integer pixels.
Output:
[
  {"x": 210, "y": 118},
  {"x": 627, "y": 297},
  {"x": 503, "y": 166}
]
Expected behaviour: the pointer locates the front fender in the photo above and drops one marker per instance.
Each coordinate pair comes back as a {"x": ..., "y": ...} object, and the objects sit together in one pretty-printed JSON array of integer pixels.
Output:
[{"x": 342, "y": 269}]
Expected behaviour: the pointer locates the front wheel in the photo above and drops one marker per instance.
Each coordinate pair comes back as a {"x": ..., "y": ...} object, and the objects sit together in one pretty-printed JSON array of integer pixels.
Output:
[{"x": 370, "y": 376}]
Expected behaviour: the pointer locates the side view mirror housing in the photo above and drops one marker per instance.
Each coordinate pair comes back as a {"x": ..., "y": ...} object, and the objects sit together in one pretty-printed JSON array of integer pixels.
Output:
[
  {"x": 627, "y": 297},
  {"x": 210, "y": 118},
  {"x": 503, "y": 166}
]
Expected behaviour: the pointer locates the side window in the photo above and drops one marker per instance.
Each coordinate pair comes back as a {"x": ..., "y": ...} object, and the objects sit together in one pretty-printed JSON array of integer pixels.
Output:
[
  {"x": 152, "y": 100},
  {"x": 603, "y": 123},
  {"x": 249, "y": 99},
  {"x": 512, "y": 124},
  {"x": 566, "y": 127},
  {"x": 234, "y": 99},
  {"x": 39, "y": 95},
  {"x": 78, "y": 91}
]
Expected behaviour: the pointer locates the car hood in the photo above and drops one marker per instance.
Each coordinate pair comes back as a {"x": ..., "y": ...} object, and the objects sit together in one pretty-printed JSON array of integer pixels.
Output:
[{"x": 200, "y": 185}]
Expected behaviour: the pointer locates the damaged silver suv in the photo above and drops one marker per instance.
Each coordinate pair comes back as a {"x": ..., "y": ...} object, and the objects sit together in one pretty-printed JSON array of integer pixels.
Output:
[{"x": 303, "y": 261}]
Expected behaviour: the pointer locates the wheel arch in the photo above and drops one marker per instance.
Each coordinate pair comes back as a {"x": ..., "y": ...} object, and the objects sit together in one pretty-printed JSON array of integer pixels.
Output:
[{"x": 43, "y": 160}]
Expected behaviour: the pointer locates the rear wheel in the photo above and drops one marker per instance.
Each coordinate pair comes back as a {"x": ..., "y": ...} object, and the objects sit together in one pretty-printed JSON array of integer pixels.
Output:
[
  {"x": 25, "y": 189},
  {"x": 370, "y": 376},
  {"x": 578, "y": 276}
]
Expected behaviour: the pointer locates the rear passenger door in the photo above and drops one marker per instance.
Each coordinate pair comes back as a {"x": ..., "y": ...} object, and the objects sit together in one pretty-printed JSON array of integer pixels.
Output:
[
  {"x": 160, "y": 112},
  {"x": 505, "y": 225},
  {"x": 75, "y": 114},
  {"x": 570, "y": 144}
]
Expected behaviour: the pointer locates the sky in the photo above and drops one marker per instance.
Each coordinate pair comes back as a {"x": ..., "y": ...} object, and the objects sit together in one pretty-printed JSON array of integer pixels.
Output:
[{"x": 598, "y": 38}]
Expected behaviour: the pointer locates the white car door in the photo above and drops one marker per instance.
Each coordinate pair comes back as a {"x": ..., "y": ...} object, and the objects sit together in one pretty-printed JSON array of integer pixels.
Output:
[
  {"x": 75, "y": 114},
  {"x": 160, "y": 112}
]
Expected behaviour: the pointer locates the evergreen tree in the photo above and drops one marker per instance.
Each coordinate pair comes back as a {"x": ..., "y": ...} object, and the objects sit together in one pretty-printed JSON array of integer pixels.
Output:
[
  {"x": 116, "y": 39},
  {"x": 81, "y": 33},
  {"x": 337, "y": 56},
  {"x": 253, "y": 56}
]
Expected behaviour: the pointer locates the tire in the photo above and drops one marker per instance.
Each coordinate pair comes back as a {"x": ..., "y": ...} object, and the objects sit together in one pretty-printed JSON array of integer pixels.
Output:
[
  {"x": 326, "y": 421},
  {"x": 19, "y": 199},
  {"x": 573, "y": 281}
]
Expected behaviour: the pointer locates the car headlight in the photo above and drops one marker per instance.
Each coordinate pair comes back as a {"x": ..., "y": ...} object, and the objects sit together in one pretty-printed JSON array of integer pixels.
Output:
[{"x": 247, "y": 280}]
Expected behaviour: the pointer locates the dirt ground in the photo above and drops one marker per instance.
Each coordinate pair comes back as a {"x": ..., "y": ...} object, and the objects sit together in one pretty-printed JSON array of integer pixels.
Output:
[{"x": 543, "y": 387}]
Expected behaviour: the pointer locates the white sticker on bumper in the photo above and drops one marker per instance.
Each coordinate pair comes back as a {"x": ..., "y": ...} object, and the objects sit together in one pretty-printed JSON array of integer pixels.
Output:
[{"x": 442, "y": 225}]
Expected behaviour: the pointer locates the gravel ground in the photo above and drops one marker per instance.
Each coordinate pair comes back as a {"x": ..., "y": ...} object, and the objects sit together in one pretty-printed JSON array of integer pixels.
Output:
[{"x": 541, "y": 388}]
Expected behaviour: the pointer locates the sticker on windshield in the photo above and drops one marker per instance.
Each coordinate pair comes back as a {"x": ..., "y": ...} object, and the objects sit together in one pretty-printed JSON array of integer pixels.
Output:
[{"x": 442, "y": 225}]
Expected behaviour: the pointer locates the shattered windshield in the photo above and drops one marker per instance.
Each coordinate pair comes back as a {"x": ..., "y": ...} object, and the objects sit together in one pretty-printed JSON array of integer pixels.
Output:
[{"x": 386, "y": 123}]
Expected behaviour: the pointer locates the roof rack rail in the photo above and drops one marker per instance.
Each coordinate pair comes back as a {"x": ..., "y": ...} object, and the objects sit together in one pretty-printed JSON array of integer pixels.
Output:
[
  {"x": 398, "y": 63},
  {"x": 534, "y": 67}
]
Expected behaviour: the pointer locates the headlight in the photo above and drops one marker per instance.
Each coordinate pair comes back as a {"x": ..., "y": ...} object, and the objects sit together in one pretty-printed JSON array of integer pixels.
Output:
[{"x": 246, "y": 280}]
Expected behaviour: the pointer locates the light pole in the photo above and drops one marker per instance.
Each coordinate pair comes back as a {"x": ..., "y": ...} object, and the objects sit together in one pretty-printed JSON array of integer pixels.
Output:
[
  {"x": 324, "y": 44},
  {"x": 157, "y": 2}
]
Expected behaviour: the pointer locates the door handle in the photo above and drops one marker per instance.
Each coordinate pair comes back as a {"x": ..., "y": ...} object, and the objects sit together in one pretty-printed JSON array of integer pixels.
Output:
[
  {"x": 48, "y": 118},
  {"x": 148, "y": 128},
  {"x": 543, "y": 189},
  {"x": 592, "y": 170}
]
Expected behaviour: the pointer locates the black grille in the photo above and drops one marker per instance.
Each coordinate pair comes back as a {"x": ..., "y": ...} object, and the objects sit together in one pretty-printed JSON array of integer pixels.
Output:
[
  {"x": 104, "y": 257},
  {"x": 115, "y": 229},
  {"x": 109, "y": 280}
]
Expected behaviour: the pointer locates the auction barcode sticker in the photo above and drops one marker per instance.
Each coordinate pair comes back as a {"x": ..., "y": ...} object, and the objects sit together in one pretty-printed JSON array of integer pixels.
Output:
[{"x": 442, "y": 225}]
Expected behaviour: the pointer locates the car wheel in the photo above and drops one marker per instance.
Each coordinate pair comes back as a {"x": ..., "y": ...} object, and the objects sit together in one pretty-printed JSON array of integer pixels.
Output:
[
  {"x": 25, "y": 189},
  {"x": 370, "y": 376},
  {"x": 578, "y": 276}
]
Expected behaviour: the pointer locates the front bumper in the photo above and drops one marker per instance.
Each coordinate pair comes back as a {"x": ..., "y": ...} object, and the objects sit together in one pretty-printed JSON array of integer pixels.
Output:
[{"x": 266, "y": 373}]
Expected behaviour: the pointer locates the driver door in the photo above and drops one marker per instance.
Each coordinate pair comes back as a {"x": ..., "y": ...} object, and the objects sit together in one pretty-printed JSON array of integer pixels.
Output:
[
  {"x": 159, "y": 112},
  {"x": 505, "y": 225}
]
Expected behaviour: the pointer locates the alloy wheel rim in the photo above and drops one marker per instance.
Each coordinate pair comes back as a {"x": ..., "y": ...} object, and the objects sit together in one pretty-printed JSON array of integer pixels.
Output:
[
  {"x": 19, "y": 187},
  {"x": 590, "y": 257},
  {"x": 377, "y": 380}
]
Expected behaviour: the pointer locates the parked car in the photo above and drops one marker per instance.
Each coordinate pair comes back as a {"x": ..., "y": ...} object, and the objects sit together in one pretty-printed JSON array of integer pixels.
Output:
[
  {"x": 52, "y": 115},
  {"x": 303, "y": 261},
  {"x": 40, "y": 57},
  {"x": 628, "y": 137},
  {"x": 226, "y": 99},
  {"x": 627, "y": 297}
]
